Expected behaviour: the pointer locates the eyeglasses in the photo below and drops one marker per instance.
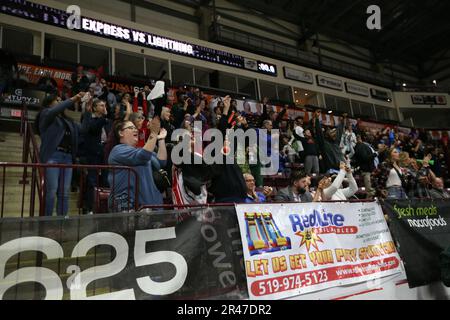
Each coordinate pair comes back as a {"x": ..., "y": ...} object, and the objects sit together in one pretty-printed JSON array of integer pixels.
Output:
[{"x": 130, "y": 127}]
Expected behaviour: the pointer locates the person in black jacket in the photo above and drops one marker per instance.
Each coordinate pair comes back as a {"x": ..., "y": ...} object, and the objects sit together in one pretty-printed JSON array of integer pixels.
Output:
[
  {"x": 95, "y": 127},
  {"x": 228, "y": 184},
  {"x": 364, "y": 159},
  {"x": 59, "y": 145},
  {"x": 310, "y": 151},
  {"x": 329, "y": 143}
]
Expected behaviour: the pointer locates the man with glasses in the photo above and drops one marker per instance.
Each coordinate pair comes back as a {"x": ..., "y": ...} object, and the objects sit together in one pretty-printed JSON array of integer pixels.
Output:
[{"x": 252, "y": 194}]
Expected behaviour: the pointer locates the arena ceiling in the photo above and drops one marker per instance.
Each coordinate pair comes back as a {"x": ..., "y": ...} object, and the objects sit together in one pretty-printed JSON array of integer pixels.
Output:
[{"x": 413, "y": 31}]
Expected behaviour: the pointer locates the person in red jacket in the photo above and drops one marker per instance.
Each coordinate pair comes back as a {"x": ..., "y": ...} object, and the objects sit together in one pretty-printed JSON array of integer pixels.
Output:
[
  {"x": 136, "y": 102},
  {"x": 141, "y": 124}
]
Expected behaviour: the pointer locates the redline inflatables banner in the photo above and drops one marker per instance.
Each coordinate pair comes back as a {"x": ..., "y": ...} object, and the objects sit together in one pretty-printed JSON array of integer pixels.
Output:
[{"x": 292, "y": 249}]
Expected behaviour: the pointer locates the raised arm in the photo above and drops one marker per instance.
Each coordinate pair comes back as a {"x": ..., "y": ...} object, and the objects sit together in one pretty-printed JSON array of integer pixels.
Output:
[
  {"x": 127, "y": 111},
  {"x": 353, "y": 186},
  {"x": 341, "y": 127},
  {"x": 52, "y": 112},
  {"x": 318, "y": 134},
  {"x": 135, "y": 101},
  {"x": 328, "y": 192},
  {"x": 265, "y": 114}
]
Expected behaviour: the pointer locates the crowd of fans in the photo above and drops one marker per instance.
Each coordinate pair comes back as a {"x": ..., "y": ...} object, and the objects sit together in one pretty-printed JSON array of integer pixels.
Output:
[{"x": 320, "y": 163}]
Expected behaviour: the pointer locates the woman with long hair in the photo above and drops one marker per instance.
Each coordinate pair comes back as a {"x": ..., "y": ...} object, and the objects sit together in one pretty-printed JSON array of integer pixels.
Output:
[
  {"x": 392, "y": 177},
  {"x": 59, "y": 145}
]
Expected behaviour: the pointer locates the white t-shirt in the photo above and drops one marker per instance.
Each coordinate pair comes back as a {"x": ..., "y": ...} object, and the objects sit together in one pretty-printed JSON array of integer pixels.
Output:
[{"x": 393, "y": 179}]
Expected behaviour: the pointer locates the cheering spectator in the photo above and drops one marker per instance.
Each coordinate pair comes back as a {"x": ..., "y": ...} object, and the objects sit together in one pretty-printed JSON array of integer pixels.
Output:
[
  {"x": 142, "y": 125},
  {"x": 94, "y": 130},
  {"x": 364, "y": 157},
  {"x": 136, "y": 102},
  {"x": 59, "y": 145},
  {"x": 329, "y": 143},
  {"x": 97, "y": 87},
  {"x": 297, "y": 134},
  {"x": 227, "y": 183},
  {"x": 311, "y": 152},
  {"x": 109, "y": 97},
  {"x": 327, "y": 191},
  {"x": 140, "y": 159},
  {"x": 348, "y": 141},
  {"x": 391, "y": 178},
  {"x": 80, "y": 81}
]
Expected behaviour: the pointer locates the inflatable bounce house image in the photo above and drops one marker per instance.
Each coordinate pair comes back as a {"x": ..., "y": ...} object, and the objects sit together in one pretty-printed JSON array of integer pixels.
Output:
[{"x": 263, "y": 234}]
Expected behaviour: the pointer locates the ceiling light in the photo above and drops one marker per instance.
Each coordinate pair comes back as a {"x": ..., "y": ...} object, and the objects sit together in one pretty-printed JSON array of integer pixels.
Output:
[
  {"x": 404, "y": 84},
  {"x": 330, "y": 111}
]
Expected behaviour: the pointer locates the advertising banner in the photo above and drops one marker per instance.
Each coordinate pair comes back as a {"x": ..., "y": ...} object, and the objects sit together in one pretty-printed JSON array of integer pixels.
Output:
[
  {"x": 183, "y": 254},
  {"x": 293, "y": 249},
  {"x": 422, "y": 230},
  {"x": 428, "y": 99},
  {"x": 35, "y": 73},
  {"x": 357, "y": 89},
  {"x": 328, "y": 82}
]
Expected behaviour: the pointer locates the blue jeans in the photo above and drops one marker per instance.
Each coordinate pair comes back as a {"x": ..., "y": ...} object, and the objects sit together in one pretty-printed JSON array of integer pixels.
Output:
[
  {"x": 396, "y": 193},
  {"x": 55, "y": 178}
]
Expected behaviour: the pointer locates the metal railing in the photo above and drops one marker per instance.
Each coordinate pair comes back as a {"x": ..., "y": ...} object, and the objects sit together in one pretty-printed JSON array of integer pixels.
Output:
[{"x": 38, "y": 185}]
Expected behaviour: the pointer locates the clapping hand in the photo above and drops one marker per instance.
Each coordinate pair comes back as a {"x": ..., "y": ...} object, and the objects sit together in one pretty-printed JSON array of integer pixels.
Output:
[
  {"x": 162, "y": 134},
  {"x": 155, "y": 126},
  {"x": 267, "y": 191}
]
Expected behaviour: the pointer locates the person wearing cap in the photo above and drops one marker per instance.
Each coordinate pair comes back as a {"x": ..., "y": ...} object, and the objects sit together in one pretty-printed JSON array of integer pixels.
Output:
[
  {"x": 333, "y": 191},
  {"x": 329, "y": 143}
]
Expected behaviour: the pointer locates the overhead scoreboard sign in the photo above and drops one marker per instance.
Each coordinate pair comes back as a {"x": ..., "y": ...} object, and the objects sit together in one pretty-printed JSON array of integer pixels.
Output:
[
  {"x": 293, "y": 249},
  {"x": 58, "y": 18}
]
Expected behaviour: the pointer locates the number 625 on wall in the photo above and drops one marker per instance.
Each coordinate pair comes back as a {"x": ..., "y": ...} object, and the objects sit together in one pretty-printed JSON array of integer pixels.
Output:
[{"x": 78, "y": 283}]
